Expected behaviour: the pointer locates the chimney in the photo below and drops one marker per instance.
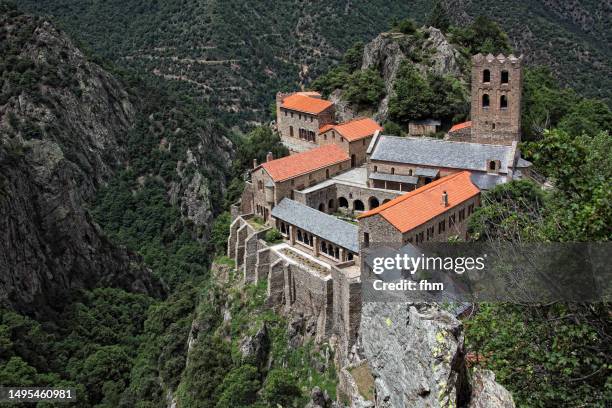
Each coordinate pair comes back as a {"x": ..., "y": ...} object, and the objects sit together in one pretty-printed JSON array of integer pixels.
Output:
[
  {"x": 269, "y": 157},
  {"x": 255, "y": 163},
  {"x": 444, "y": 199}
]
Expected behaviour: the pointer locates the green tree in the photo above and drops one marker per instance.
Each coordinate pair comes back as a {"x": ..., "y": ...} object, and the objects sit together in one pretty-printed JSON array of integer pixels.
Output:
[
  {"x": 333, "y": 79},
  {"x": 239, "y": 387},
  {"x": 405, "y": 26},
  {"x": 438, "y": 17},
  {"x": 392, "y": 128},
  {"x": 280, "y": 388},
  {"x": 353, "y": 56},
  {"x": 413, "y": 96},
  {"x": 483, "y": 36},
  {"x": 364, "y": 88},
  {"x": 256, "y": 145}
]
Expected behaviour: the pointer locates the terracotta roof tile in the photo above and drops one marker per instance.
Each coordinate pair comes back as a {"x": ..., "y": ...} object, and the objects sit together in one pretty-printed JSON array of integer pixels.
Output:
[
  {"x": 303, "y": 163},
  {"x": 304, "y": 103},
  {"x": 421, "y": 205},
  {"x": 460, "y": 126},
  {"x": 355, "y": 129}
]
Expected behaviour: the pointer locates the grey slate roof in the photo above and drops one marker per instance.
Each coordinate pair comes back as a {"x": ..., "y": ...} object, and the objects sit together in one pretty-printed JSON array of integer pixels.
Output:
[
  {"x": 420, "y": 171},
  {"x": 318, "y": 223},
  {"x": 486, "y": 181},
  {"x": 441, "y": 153},
  {"x": 394, "y": 177}
]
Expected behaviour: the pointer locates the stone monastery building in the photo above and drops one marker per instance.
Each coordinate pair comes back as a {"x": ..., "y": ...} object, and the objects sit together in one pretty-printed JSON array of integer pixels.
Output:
[{"x": 347, "y": 185}]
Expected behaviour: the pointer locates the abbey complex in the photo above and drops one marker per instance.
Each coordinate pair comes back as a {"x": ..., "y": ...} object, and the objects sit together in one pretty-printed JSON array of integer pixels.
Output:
[{"x": 347, "y": 185}]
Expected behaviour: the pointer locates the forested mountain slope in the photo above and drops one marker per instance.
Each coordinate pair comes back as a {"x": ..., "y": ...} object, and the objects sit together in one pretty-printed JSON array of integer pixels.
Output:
[
  {"x": 63, "y": 122},
  {"x": 237, "y": 54}
]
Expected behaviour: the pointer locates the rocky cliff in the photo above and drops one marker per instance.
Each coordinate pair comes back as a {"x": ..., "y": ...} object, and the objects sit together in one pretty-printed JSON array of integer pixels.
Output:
[
  {"x": 427, "y": 50},
  {"x": 412, "y": 355},
  {"x": 63, "y": 122}
]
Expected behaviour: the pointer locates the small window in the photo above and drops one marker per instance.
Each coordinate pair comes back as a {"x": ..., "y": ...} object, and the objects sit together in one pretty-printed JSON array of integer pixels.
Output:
[
  {"x": 493, "y": 126},
  {"x": 291, "y": 131},
  {"x": 366, "y": 239},
  {"x": 325, "y": 136},
  {"x": 375, "y": 169},
  {"x": 486, "y": 76},
  {"x": 392, "y": 170},
  {"x": 285, "y": 113},
  {"x": 492, "y": 165},
  {"x": 485, "y": 101},
  {"x": 504, "y": 77},
  {"x": 503, "y": 102},
  {"x": 327, "y": 173},
  {"x": 260, "y": 185}
]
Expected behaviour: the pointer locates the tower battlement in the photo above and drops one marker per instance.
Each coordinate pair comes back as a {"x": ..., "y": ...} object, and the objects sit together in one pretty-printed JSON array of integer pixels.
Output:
[{"x": 497, "y": 83}]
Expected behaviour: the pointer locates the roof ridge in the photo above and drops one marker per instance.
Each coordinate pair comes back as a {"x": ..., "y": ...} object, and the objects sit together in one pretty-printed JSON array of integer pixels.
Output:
[
  {"x": 447, "y": 141},
  {"x": 412, "y": 193}
]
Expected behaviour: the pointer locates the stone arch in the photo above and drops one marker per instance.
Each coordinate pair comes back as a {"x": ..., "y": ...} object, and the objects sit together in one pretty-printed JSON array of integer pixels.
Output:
[
  {"x": 353, "y": 160},
  {"x": 322, "y": 207},
  {"x": 486, "y": 101},
  {"x": 503, "y": 102},
  {"x": 373, "y": 202},
  {"x": 358, "y": 205},
  {"x": 505, "y": 77},
  {"x": 486, "y": 76},
  {"x": 386, "y": 200},
  {"x": 343, "y": 202}
]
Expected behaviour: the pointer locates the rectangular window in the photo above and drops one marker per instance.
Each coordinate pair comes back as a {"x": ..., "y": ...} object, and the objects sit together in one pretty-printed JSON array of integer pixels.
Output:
[
  {"x": 451, "y": 220},
  {"x": 441, "y": 226},
  {"x": 461, "y": 214},
  {"x": 470, "y": 209},
  {"x": 366, "y": 239}
]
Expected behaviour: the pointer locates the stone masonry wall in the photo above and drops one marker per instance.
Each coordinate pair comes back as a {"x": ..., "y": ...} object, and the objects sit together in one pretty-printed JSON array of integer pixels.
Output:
[{"x": 494, "y": 124}]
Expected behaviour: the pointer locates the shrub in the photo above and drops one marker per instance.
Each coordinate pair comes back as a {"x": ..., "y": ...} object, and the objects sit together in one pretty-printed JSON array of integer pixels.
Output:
[{"x": 273, "y": 236}]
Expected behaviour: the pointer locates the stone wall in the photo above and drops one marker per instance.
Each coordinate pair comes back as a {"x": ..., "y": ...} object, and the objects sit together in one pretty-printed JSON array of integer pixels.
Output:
[
  {"x": 357, "y": 148},
  {"x": 381, "y": 231},
  {"x": 494, "y": 124},
  {"x": 322, "y": 299},
  {"x": 328, "y": 197},
  {"x": 285, "y": 189},
  {"x": 289, "y": 122}
]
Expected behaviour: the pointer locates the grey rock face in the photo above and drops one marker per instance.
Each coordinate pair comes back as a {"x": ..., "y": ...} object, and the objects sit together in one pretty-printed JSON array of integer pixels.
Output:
[
  {"x": 48, "y": 242},
  {"x": 254, "y": 349},
  {"x": 416, "y": 355},
  {"x": 388, "y": 51},
  {"x": 486, "y": 393}
]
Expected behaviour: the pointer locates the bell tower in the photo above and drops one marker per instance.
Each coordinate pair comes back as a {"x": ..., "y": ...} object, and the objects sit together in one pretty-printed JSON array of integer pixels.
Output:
[{"x": 497, "y": 84}]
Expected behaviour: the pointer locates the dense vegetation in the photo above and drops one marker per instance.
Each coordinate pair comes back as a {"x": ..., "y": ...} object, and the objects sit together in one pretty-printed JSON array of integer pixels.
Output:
[
  {"x": 551, "y": 355},
  {"x": 235, "y": 55}
]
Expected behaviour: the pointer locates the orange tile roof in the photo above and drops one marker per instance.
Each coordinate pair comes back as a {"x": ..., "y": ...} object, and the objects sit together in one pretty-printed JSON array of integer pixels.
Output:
[
  {"x": 295, "y": 165},
  {"x": 355, "y": 129},
  {"x": 415, "y": 208},
  {"x": 304, "y": 103},
  {"x": 460, "y": 126}
]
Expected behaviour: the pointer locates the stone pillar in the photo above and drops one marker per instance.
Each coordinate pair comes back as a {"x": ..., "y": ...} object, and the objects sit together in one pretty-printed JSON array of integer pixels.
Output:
[
  {"x": 315, "y": 244},
  {"x": 276, "y": 283},
  {"x": 292, "y": 234},
  {"x": 342, "y": 254}
]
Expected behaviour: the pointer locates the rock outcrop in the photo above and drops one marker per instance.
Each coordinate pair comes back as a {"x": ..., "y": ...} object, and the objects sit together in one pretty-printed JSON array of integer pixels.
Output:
[
  {"x": 388, "y": 51},
  {"x": 486, "y": 393},
  {"x": 412, "y": 355},
  {"x": 61, "y": 131}
]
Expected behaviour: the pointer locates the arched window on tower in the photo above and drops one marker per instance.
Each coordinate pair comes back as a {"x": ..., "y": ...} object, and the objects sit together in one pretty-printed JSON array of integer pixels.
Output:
[
  {"x": 485, "y": 101},
  {"x": 486, "y": 76},
  {"x": 504, "y": 77},
  {"x": 503, "y": 102}
]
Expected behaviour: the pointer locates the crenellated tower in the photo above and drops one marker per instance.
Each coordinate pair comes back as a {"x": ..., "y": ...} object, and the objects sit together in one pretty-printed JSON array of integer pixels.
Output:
[{"x": 497, "y": 84}]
